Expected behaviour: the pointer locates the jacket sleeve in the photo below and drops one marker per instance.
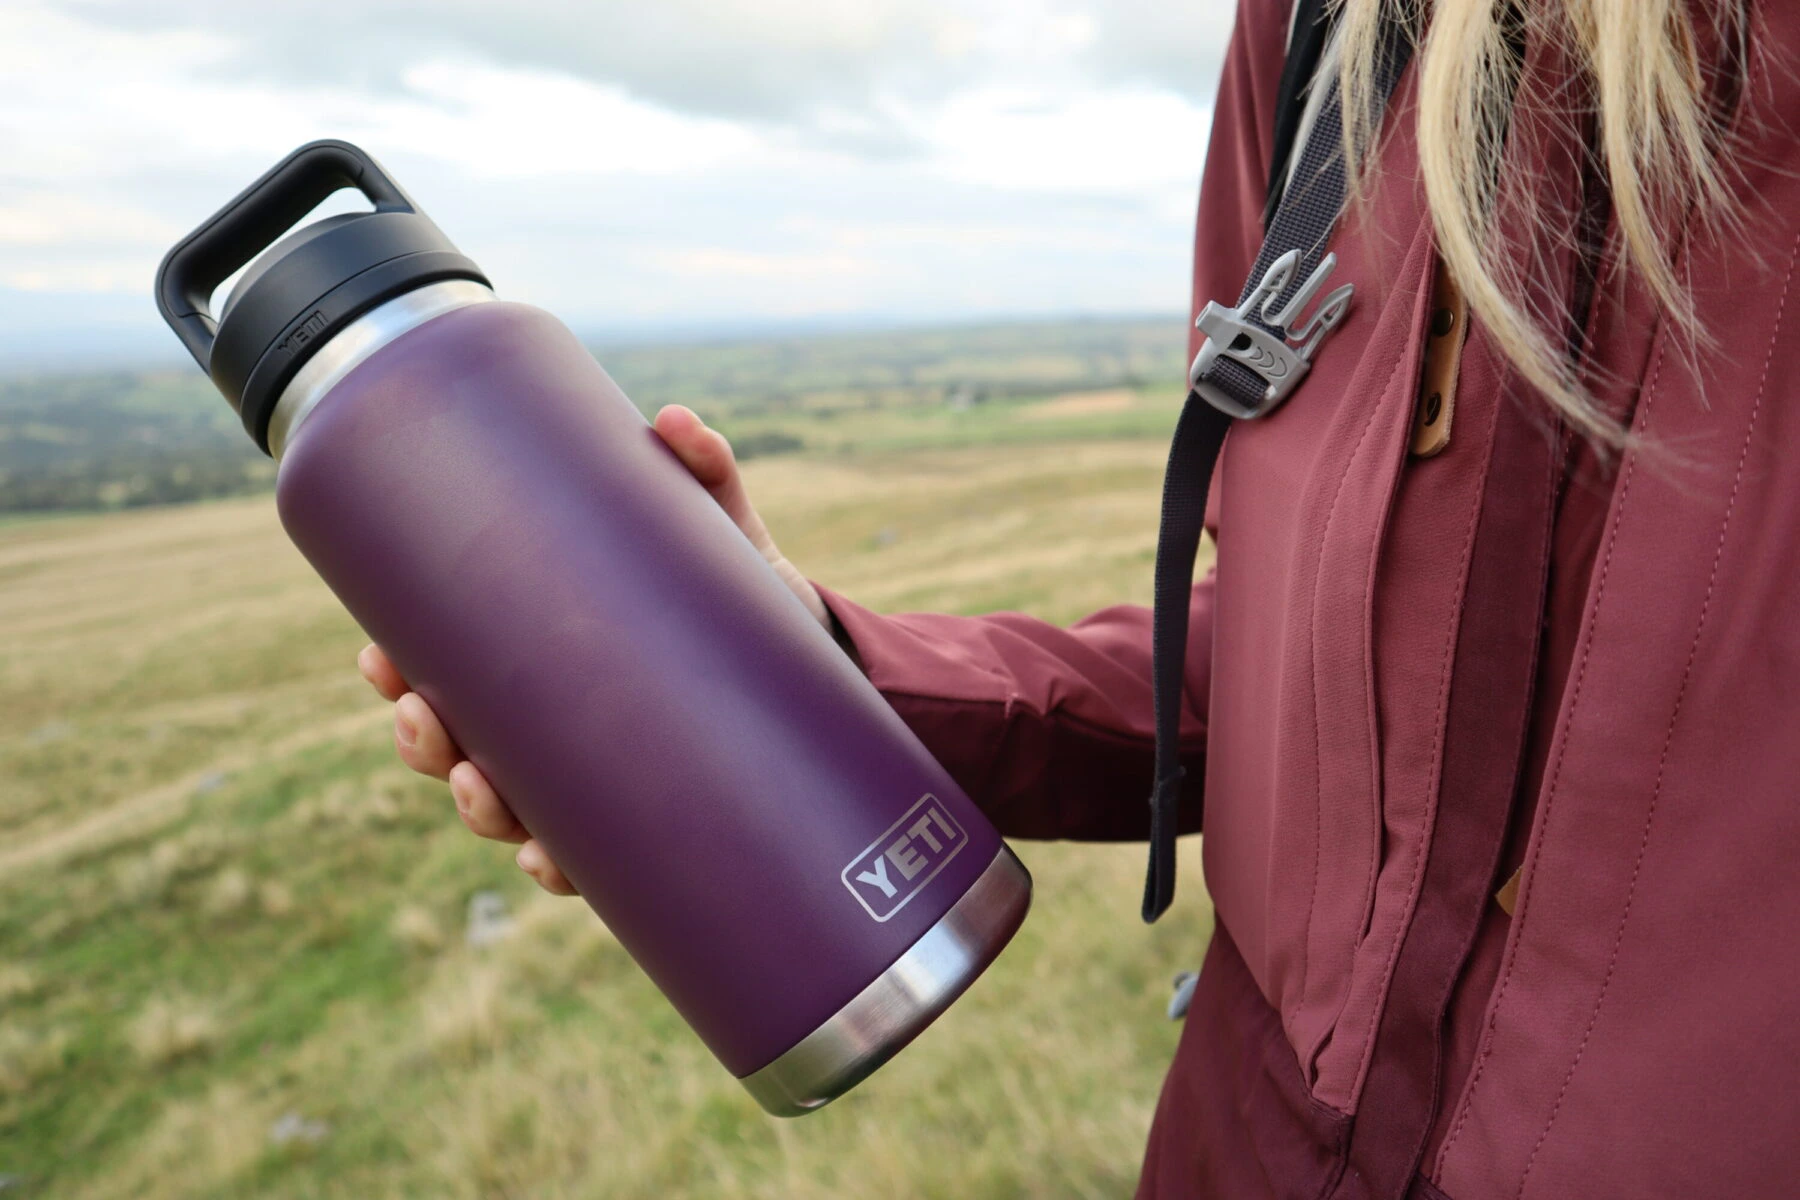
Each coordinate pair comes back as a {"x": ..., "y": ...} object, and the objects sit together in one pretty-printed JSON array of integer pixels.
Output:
[{"x": 1049, "y": 729}]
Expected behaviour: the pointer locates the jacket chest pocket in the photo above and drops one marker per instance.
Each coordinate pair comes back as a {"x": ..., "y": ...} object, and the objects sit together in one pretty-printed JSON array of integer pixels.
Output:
[{"x": 1340, "y": 567}]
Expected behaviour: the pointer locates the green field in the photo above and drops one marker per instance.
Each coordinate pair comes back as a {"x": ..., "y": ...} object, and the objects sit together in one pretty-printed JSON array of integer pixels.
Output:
[{"x": 232, "y": 952}]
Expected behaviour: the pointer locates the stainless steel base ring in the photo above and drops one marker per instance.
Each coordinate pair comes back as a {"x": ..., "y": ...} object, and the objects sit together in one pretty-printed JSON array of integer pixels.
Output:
[{"x": 904, "y": 999}]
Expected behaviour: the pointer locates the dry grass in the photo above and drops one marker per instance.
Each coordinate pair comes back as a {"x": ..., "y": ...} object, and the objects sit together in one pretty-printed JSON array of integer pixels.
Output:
[
  {"x": 1081, "y": 404},
  {"x": 222, "y": 902},
  {"x": 193, "y": 1145},
  {"x": 231, "y": 893},
  {"x": 19, "y": 982},
  {"x": 470, "y": 1014},
  {"x": 173, "y": 1027},
  {"x": 418, "y": 929},
  {"x": 27, "y": 1056}
]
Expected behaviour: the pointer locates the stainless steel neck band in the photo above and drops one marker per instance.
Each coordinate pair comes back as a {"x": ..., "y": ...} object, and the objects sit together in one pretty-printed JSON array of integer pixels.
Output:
[{"x": 351, "y": 345}]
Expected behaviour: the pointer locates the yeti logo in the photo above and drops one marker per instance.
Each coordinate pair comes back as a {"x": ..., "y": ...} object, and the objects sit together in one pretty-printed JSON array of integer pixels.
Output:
[
  {"x": 1280, "y": 358},
  {"x": 896, "y": 865},
  {"x": 309, "y": 329}
]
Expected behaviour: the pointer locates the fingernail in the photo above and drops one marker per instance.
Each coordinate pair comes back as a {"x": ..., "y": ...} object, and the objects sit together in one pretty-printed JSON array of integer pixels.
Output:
[
  {"x": 457, "y": 794},
  {"x": 403, "y": 729},
  {"x": 526, "y": 861}
]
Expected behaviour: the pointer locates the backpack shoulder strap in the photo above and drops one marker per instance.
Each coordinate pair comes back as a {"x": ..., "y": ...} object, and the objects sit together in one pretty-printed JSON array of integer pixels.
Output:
[
  {"x": 1313, "y": 21},
  {"x": 1253, "y": 358}
]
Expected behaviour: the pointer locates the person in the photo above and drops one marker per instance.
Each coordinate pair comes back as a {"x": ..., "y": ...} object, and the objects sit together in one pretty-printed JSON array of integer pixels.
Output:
[{"x": 1491, "y": 699}]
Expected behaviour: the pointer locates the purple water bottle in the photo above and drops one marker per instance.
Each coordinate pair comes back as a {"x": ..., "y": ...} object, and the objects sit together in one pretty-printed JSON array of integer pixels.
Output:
[{"x": 759, "y": 829}]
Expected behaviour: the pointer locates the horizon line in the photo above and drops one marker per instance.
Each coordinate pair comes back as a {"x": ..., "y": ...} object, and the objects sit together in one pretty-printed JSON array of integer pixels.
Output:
[{"x": 71, "y": 359}]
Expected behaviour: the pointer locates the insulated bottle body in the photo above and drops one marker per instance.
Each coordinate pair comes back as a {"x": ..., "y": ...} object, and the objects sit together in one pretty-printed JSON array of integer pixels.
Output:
[
  {"x": 747, "y": 815},
  {"x": 758, "y": 828}
]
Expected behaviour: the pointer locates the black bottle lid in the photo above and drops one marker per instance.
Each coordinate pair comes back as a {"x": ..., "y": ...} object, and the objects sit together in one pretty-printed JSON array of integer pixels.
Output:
[{"x": 307, "y": 286}]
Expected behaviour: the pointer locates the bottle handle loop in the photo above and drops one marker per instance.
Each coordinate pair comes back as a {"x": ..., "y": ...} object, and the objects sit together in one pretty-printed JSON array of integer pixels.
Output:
[{"x": 252, "y": 221}]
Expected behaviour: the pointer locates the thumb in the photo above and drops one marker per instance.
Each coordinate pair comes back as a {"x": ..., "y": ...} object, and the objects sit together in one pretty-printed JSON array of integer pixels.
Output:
[{"x": 706, "y": 453}]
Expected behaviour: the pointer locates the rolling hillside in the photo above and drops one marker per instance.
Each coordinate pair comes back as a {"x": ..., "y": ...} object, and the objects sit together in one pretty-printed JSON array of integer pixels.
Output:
[{"x": 237, "y": 934}]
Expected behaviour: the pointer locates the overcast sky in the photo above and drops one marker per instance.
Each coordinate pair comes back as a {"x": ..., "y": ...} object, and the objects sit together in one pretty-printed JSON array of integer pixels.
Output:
[{"x": 632, "y": 165}]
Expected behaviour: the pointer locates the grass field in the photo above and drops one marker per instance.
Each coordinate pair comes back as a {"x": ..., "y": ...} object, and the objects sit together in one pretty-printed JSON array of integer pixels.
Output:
[{"x": 232, "y": 952}]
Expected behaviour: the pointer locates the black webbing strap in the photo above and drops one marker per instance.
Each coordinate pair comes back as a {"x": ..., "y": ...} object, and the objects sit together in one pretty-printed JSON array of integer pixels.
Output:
[
  {"x": 1313, "y": 20},
  {"x": 1304, "y": 216}
]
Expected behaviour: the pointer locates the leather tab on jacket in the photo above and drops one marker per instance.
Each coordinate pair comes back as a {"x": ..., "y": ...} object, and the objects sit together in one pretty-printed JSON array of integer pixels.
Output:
[{"x": 1449, "y": 323}]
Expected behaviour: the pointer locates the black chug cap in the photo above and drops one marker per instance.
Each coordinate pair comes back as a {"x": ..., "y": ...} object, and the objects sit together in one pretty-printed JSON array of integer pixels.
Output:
[{"x": 306, "y": 287}]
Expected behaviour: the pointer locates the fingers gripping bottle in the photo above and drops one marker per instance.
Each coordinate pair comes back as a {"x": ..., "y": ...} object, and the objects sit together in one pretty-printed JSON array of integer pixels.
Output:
[{"x": 762, "y": 833}]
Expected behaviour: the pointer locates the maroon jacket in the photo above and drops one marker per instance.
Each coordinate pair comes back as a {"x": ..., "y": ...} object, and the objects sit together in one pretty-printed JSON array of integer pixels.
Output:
[{"x": 1425, "y": 674}]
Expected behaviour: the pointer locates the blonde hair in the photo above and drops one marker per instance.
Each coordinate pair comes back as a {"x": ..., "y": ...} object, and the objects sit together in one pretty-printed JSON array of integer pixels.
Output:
[{"x": 1658, "y": 141}]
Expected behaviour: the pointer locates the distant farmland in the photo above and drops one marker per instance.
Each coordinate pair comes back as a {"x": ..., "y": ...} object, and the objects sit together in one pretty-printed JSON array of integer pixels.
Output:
[{"x": 125, "y": 439}]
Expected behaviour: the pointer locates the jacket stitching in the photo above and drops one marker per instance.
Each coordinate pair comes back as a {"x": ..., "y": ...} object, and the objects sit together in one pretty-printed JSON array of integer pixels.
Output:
[
  {"x": 1674, "y": 717},
  {"x": 1312, "y": 902},
  {"x": 1553, "y": 777},
  {"x": 1437, "y": 764},
  {"x": 1553, "y": 790},
  {"x": 1590, "y": 331}
]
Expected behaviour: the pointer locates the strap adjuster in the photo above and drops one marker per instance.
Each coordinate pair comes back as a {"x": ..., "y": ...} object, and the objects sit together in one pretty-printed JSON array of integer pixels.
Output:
[{"x": 1264, "y": 339}]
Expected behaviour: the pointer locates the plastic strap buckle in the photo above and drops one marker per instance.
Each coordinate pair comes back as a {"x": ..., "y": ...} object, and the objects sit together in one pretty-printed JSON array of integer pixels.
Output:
[{"x": 1264, "y": 339}]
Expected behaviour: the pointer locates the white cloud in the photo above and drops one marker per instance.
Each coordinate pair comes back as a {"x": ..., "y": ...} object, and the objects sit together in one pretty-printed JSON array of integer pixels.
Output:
[
  {"x": 622, "y": 161},
  {"x": 502, "y": 122},
  {"x": 1114, "y": 141},
  {"x": 44, "y": 218}
]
